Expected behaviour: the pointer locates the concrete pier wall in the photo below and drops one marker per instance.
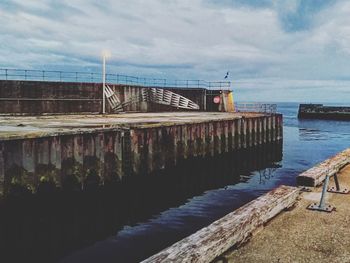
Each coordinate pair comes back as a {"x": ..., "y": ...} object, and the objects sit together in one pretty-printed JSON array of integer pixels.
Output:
[
  {"x": 44, "y": 97},
  {"x": 113, "y": 154}
]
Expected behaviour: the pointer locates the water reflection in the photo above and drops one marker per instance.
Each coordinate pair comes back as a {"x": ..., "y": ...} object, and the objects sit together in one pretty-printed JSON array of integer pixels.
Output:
[
  {"x": 307, "y": 134},
  {"x": 52, "y": 224},
  {"x": 268, "y": 173},
  {"x": 133, "y": 244}
]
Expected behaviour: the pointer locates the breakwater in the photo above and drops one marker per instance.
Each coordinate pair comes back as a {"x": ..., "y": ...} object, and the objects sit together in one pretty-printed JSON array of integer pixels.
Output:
[{"x": 319, "y": 111}]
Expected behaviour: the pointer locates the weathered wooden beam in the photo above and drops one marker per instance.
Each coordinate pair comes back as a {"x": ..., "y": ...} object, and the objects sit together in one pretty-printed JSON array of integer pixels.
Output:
[
  {"x": 233, "y": 229},
  {"x": 317, "y": 174}
]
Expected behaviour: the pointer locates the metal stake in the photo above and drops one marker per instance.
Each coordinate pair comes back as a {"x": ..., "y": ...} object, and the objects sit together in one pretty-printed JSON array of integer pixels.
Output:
[{"x": 322, "y": 206}]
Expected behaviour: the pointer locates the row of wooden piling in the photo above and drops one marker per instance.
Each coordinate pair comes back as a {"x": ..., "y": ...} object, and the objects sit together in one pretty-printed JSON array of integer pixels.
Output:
[
  {"x": 158, "y": 147},
  {"x": 114, "y": 153}
]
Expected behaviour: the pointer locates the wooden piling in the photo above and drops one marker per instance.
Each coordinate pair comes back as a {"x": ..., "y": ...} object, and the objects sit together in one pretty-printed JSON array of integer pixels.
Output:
[{"x": 132, "y": 149}]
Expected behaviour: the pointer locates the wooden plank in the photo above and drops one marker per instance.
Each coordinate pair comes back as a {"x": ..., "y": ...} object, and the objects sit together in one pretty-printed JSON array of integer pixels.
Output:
[
  {"x": 233, "y": 229},
  {"x": 317, "y": 174}
]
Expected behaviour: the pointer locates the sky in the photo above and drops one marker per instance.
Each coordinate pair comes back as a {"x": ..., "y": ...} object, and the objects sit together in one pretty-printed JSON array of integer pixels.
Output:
[{"x": 275, "y": 50}]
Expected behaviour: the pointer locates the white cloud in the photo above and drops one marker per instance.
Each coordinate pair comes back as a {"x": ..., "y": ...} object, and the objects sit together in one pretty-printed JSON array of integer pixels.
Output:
[{"x": 182, "y": 39}]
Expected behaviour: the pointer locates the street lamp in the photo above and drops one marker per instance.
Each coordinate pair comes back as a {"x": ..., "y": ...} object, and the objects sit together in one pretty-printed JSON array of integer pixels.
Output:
[{"x": 105, "y": 54}]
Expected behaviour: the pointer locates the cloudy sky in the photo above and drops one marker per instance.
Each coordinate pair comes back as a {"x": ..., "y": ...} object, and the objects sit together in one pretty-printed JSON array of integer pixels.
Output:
[{"x": 275, "y": 50}]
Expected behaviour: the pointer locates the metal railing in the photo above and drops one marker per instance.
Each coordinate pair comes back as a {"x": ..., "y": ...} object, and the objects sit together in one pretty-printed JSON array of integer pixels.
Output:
[
  {"x": 256, "y": 107},
  {"x": 93, "y": 77}
]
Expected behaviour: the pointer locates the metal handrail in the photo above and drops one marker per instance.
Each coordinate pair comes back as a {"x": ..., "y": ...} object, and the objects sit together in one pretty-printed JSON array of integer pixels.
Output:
[
  {"x": 93, "y": 77},
  {"x": 256, "y": 107}
]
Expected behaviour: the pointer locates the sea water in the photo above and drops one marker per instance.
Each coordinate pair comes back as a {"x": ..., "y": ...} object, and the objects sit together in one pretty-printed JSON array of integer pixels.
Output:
[{"x": 306, "y": 143}]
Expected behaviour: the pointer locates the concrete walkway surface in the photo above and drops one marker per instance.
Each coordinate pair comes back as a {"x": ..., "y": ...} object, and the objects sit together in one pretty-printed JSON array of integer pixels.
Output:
[{"x": 302, "y": 235}]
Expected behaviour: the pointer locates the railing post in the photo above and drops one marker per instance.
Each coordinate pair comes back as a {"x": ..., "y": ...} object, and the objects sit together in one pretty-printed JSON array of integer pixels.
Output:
[
  {"x": 43, "y": 75},
  {"x": 25, "y": 74},
  {"x": 76, "y": 76},
  {"x": 92, "y": 77},
  {"x": 6, "y": 74},
  {"x": 60, "y": 76}
]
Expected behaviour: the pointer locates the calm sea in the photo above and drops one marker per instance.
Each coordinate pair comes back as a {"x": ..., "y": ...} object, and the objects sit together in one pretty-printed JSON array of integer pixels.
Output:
[{"x": 306, "y": 142}]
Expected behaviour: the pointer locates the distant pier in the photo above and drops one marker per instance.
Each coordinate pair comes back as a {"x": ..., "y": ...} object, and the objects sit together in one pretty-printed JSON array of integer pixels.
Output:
[{"x": 319, "y": 111}]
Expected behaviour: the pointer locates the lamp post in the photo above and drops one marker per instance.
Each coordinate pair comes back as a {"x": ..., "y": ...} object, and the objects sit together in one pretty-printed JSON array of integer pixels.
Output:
[
  {"x": 105, "y": 54},
  {"x": 104, "y": 83}
]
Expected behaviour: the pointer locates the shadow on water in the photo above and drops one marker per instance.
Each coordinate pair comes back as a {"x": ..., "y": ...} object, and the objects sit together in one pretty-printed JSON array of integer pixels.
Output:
[{"x": 56, "y": 222}]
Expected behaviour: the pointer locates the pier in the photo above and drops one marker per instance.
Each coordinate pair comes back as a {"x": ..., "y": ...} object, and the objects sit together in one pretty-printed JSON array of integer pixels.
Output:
[
  {"x": 38, "y": 144},
  {"x": 113, "y": 147},
  {"x": 59, "y": 154}
]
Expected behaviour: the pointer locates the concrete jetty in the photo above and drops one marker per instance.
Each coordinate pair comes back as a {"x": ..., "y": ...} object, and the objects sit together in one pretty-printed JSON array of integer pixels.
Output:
[{"x": 54, "y": 148}]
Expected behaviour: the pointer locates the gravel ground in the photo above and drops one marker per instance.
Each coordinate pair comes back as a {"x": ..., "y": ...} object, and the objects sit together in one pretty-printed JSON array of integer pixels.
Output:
[{"x": 301, "y": 235}]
